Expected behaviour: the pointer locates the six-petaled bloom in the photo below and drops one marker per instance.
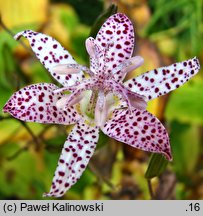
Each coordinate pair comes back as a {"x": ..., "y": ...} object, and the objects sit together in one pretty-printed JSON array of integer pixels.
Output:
[{"x": 96, "y": 98}]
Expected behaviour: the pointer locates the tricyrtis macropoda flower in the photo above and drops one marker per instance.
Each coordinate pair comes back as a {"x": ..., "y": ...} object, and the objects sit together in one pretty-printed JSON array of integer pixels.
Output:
[{"x": 96, "y": 98}]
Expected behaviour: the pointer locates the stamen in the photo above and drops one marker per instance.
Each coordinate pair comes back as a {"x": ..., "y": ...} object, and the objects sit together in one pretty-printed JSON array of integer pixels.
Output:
[
  {"x": 77, "y": 94},
  {"x": 92, "y": 48},
  {"x": 137, "y": 102},
  {"x": 71, "y": 69},
  {"x": 125, "y": 97},
  {"x": 65, "y": 89},
  {"x": 127, "y": 66},
  {"x": 74, "y": 98},
  {"x": 132, "y": 99},
  {"x": 87, "y": 84},
  {"x": 133, "y": 63},
  {"x": 69, "y": 100},
  {"x": 117, "y": 88},
  {"x": 96, "y": 54}
]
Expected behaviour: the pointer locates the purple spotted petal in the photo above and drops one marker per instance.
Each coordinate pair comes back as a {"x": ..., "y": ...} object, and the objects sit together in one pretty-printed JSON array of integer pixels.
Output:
[
  {"x": 37, "y": 103},
  {"x": 51, "y": 53},
  {"x": 76, "y": 153},
  {"x": 116, "y": 37},
  {"x": 163, "y": 80},
  {"x": 140, "y": 129}
]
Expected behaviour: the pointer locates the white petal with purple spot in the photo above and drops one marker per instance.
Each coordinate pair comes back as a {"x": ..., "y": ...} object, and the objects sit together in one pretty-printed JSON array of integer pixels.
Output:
[
  {"x": 116, "y": 37},
  {"x": 160, "y": 81},
  {"x": 77, "y": 151},
  {"x": 37, "y": 103},
  {"x": 139, "y": 129},
  {"x": 51, "y": 53}
]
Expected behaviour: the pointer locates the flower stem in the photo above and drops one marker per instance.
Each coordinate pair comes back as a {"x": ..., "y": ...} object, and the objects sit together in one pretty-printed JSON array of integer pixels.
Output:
[
  {"x": 16, "y": 154},
  {"x": 3, "y": 25},
  {"x": 35, "y": 139},
  {"x": 149, "y": 183}
]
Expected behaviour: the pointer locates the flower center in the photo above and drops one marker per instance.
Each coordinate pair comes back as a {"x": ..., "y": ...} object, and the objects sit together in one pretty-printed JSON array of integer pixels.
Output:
[{"x": 96, "y": 94}]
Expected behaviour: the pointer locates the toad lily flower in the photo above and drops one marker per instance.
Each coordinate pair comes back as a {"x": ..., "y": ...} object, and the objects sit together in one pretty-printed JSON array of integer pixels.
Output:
[{"x": 96, "y": 98}]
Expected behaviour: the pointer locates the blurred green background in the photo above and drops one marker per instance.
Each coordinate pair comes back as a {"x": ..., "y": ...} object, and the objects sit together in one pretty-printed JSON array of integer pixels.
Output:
[{"x": 166, "y": 32}]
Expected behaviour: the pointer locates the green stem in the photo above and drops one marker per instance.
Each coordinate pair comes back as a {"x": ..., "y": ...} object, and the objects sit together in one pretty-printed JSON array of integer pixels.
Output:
[
  {"x": 35, "y": 139},
  {"x": 149, "y": 183}
]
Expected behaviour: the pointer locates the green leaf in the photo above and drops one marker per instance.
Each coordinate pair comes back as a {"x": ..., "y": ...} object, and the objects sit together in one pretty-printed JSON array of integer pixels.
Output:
[
  {"x": 185, "y": 142},
  {"x": 11, "y": 72},
  {"x": 185, "y": 104},
  {"x": 16, "y": 175},
  {"x": 87, "y": 178},
  {"x": 87, "y": 10},
  {"x": 68, "y": 17},
  {"x": 157, "y": 165},
  {"x": 103, "y": 140},
  {"x": 78, "y": 37},
  {"x": 101, "y": 19},
  {"x": 39, "y": 73}
]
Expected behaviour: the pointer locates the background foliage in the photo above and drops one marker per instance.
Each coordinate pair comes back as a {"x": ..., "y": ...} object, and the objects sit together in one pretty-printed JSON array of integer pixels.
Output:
[{"x": 166, "y": 32}]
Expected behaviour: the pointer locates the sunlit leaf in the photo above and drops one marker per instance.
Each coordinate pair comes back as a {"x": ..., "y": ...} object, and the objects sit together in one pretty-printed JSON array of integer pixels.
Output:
[
  {"x": 21, "y": 12},
  {"x": 8, "y": 128},
  {"x": 186, "y": 103},
  {"x": 17, "y": 175},
  {"x": 185, "y": 141},
  {"x": 62, "y": 22}
]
